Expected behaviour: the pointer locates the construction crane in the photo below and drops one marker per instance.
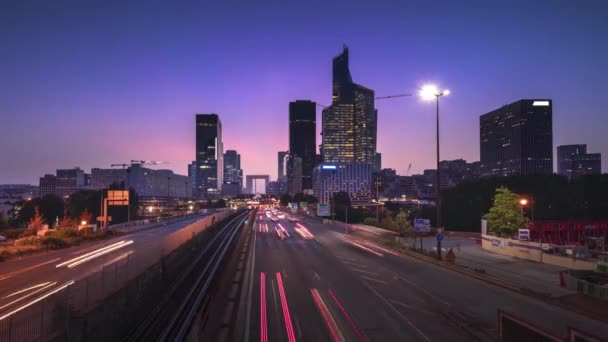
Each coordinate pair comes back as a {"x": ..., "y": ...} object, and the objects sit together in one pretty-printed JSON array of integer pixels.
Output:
[
  {"x": 408, "y": 169},
  {"x": 148, "y": 162},
  {"x": 392, "y": 96}
]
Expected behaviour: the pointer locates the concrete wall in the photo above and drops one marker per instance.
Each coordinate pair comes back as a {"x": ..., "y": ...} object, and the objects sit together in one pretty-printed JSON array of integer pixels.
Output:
[{"x": 531, "y": 251}]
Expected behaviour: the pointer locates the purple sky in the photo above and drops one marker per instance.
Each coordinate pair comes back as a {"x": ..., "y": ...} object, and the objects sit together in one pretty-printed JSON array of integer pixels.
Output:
[{"x": 101, "y": 83}]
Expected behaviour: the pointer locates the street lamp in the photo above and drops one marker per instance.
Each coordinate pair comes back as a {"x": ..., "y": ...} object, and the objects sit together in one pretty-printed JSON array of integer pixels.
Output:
[{"x": 430, "y": 92}]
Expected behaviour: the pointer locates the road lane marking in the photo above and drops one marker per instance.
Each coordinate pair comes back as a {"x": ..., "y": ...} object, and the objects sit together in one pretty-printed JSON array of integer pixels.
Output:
[
  {"x": 397, "y": 312},
  {"x": 425, "y": 291},
  {"x": 37, "y": 299},
  {"x": 329, "y": 320},
  {"x": 274, "y": 297},
  {"x": 263, "y": 320},
  {"x": 364, "y": 271},
  {"x": 411, "y": 307},
  {"x": 373, "y": 279},
  {"x": 350, "y": 321},
  {"x": 286, "y": 315},
  {"x": 8, "y": 275},
  {"x": 353, "y": 264},
  {"x": 345, "y": 257}
]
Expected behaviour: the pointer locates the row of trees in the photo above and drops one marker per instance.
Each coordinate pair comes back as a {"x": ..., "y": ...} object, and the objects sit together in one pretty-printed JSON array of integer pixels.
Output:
[
  {"x": 55, "y": 211},
  {"x": 285, "y": 199},
  {"x": 554, "y": 197}
]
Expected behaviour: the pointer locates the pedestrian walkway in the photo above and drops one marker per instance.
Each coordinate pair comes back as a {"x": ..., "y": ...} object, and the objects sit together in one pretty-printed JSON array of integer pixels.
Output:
[{"x": 537, "y": 277}]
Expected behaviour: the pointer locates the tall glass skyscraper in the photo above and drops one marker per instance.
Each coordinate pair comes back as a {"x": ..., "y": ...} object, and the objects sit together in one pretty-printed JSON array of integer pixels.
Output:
[
  {"x": 350, "y": 122},
  {"x": 302, "y": 137},
  {"x": 209, "y": 156}
]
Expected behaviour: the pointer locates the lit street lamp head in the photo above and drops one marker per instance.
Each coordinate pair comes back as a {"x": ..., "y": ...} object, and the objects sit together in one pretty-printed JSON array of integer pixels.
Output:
[
  {"x": 430, "y": 92},
  {"x": 523, "y": 201}
]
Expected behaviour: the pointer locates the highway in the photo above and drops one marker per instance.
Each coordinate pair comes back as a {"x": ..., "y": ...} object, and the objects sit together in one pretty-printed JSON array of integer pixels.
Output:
[
  {"x": 25, "y": 281},
  {"x": 318, "y": 284}
]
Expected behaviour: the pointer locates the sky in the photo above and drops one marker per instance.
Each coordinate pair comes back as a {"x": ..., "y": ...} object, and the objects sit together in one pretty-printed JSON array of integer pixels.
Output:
[{"x": 91, "y": 83}]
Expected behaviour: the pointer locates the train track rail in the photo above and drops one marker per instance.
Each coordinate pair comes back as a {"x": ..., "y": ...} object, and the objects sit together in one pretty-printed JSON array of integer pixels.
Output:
[{"x": 172, "y": 318}]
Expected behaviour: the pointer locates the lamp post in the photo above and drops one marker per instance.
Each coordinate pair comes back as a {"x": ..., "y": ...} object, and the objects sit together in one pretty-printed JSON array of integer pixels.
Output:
[
  {"x": 430, "y": 92},
  {"x": 523, "y": 202}
]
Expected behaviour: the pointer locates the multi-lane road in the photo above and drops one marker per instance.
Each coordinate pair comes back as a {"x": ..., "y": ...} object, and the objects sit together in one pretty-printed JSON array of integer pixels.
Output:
[{"x": 312, "y": 282}]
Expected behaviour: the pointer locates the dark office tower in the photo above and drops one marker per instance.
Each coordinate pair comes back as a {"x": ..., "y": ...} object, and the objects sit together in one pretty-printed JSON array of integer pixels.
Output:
[
  {"x": 209, "y": 156},
  {"x": 573, "y": 161},
  {"x": 282, "y": 174},
  {"x": 517, "y": 139},
  {"x": 350, "y": 122},
  {"x": 378, "y": 162},
  {"x": 294, "y": 174},
  {"x": 302, "y": 136},
  {"x": 565, "y": 155},
  {"x": 233, "y": 175}
]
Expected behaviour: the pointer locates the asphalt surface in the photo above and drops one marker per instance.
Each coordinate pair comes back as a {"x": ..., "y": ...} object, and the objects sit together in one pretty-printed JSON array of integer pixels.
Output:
[
  {"x": 23, "y": 280},
  {"x": 328, "y": 286}
]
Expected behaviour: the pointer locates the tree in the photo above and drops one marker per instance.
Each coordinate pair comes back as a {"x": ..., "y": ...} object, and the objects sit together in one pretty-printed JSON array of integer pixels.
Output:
[
  {"x": 505, "y": 217},
  {"x": 86, "y": 216},
  {"x": 36, "y": 222},
  {"x": 51, "y": 208},
  {"x": 402, "y": 222}
]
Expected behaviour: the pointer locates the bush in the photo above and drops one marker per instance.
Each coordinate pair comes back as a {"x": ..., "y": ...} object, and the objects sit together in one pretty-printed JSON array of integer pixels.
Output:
[
  {"x": 371, "y": 221},
  {"x": 53, "y": 242},
  {"x": 12, "y": 233},
  {"x": 27, "y": 241}
]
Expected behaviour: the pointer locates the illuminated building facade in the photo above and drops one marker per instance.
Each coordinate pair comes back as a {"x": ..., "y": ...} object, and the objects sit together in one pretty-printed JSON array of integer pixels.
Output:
[
  {"x": 353, "y": 178},
  {"x": 350, "y": 122},
  {"x": 209, "y": 156}
]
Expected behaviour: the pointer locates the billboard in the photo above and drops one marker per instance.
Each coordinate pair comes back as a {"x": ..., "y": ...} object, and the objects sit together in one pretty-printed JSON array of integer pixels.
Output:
[
  {"x": 422, "y": 225},
  {"x": 323, "y": 210}
]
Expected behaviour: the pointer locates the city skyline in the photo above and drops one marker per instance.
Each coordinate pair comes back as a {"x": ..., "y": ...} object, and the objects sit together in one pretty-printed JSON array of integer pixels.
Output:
[{"x": 150, "y": 94}]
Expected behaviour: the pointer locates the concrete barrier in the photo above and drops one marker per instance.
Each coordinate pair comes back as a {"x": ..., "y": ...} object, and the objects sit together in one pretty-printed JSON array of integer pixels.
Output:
[{"x": 529, "y": 250}]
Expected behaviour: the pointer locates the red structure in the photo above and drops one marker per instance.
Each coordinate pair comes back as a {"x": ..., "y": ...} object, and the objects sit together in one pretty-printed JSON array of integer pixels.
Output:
[{"x": 568, "y": 232}]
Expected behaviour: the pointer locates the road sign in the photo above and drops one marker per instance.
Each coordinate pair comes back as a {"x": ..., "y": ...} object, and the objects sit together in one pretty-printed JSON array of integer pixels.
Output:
[
  {"x": 118, "y": 197},
  {"x": 422, "y": 225},
  {"x": 102, "y": 218},
  {"x": 439, "y": 237},
  {"x": 450, "y": 255},
  {"x": 524, "y": 234},
  {"x": 323, "y": 209}
]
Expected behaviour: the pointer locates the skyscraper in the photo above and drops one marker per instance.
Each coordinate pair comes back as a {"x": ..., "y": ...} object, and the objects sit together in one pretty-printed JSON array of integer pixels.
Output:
[
  {"x": 281, "y": 172},
  {"x": 294, "y": 174},
  {"x": 233, "y": 174},
  {"x": 209, "y": 156},
  {"x": 378, "y": 162},
  {"x": 573, "y": 161},
  {"x": 517, "y": 139},
  {"x": 350, "y": 122},
  {"x": 302, "y": 136}
]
